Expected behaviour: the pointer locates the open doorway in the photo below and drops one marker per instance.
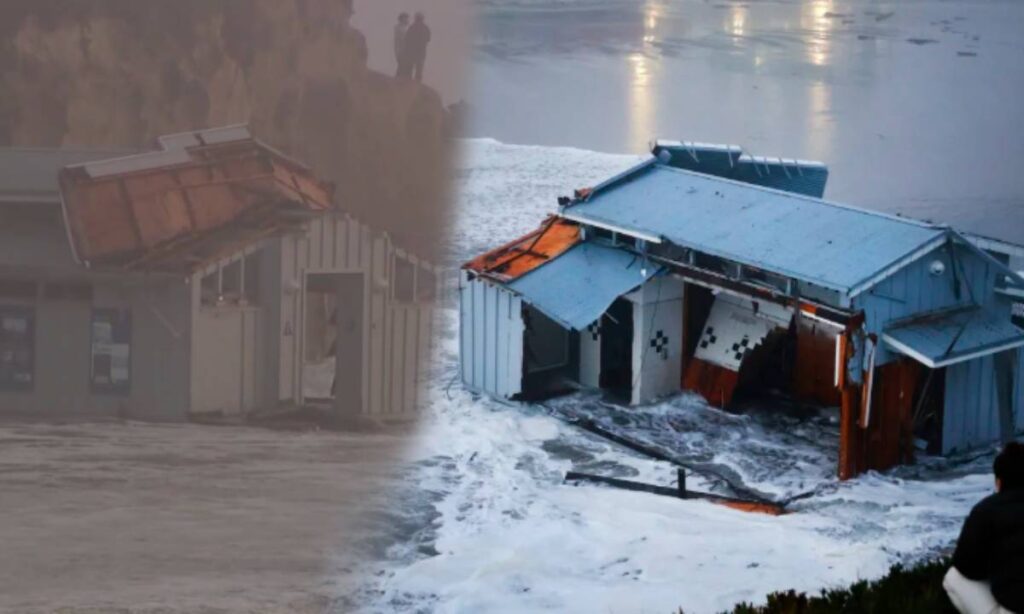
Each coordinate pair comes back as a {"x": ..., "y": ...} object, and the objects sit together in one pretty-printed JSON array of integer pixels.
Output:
[
  {"x": 617, "y": 350},
  {"x": 929, "y": 403},
  {"x": 550, "y": 356},
  {"x": 332, "y": 369}
]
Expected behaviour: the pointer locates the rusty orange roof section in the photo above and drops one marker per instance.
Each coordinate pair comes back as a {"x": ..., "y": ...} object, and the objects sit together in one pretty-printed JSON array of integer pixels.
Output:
[
  {"x": 526, "y": 253},
  {"x": 204, "y": 194}
]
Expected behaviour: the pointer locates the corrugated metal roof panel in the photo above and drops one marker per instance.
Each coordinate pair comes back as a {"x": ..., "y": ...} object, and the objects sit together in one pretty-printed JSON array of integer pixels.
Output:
[
  {"x": 140, "y": 162},
  {"x": 578, "y": 286},
  {"x": 796, "y": 176},
  {"x": 528, "y": 252},
  {"x": 179, "y": 141},
  {"x": 949, "y": 337},
  {"x": 227, "y": 134},
  {"x": 174, "y": 210},
  {"x": 801, "y": 237},
  {"x": 729, "y": 161}
]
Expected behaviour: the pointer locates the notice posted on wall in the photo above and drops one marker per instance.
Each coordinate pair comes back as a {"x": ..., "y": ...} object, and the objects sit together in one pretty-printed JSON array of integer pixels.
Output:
[
  {"x": 17, "y": 325},
  {"x": 17, "y": 360},
  {"x": 111, "y": 349}
]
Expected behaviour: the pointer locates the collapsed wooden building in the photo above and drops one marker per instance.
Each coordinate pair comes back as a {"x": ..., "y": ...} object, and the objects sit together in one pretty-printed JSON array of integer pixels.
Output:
[
  {"x": 707, "y": 269},
  {"x": 212, "y": 276}
]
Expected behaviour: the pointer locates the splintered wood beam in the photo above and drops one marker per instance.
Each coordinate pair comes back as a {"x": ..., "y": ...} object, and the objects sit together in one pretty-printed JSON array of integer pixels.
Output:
[
  {"x": 256, "y": 223},
  {"x": 679, "y": 493},
  {"x": 190, "y": 207},
  {"x": 123, "y": 191}
]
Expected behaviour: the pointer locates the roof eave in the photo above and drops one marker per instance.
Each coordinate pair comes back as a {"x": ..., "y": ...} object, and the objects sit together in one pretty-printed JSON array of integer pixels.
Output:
[
  {"x": 1012, "y": 275},
  {"x": 899, "y": 264},
  {"x": 946, "y": 361},
  {"x": 588, "y": 221},
  {"x": 997, "y": 245}
]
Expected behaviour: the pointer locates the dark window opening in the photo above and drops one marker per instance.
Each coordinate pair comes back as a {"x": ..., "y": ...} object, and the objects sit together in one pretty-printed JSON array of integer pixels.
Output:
[
  {"x": 626, "y": 241},
  {"x": 817, "y": 293},
  {"x": 111, "y": 369},
  {"x": 669, "y": 251},
  {"x": 764, "y": 278},
  {"x": 714, "y": 264},
  {"x": 426, "y": 285},
  {"x": 405, "y": 281},
  {"x": 231, "y": 284},
  {"x": 234, "y": 285},
  {"x": 17, "y": 348},
  {"x": 209, "y": 289}
]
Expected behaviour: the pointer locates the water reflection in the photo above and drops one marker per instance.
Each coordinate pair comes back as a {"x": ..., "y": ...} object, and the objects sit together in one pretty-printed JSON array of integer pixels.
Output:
[
  {"x": 819, "y": 129},
  {"x": 737, "y": 20},
  {"x": 643, "y": 66},
  {"x": 817, "y": 17},
  {"x": 837, "y": 81}
]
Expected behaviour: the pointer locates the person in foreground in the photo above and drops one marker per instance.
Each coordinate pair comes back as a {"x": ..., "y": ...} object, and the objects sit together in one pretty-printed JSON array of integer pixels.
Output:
[{"x": 987, "y": 576}]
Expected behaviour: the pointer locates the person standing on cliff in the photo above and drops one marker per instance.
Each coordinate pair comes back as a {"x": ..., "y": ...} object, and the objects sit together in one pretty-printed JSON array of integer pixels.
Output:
[
  {"x": 401, "y": 58},
  {"x": 417, "y": 37}
]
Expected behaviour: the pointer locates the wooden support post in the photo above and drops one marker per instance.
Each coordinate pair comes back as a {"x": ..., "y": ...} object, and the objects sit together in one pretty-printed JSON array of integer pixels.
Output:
[{"x": 850, "y": 435}]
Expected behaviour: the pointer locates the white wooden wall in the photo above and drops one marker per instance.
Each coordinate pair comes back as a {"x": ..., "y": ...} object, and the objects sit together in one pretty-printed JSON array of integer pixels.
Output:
[
  {"x": 590, "y": 355},
  {"x": 397, "y": 336},
  {"x": 226, "y": 346},
  {"x": 657, "y": 307},
  {"x": 491, "y": 338}
]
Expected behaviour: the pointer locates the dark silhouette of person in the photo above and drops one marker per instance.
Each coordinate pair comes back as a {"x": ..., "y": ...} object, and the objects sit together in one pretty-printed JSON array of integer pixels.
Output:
[
  {"x": 417, "y": 37},
  {"x": 401, "y": 59},
  {"x": 987, "y": 575}
]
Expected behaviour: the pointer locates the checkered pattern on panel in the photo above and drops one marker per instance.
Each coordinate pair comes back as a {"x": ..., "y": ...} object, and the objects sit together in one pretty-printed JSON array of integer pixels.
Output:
[
  {"x": 660, "y": 344},
  {"x": 709, "y": 338},
  {"x": 595, "y": 330},
  {"x": 740, "y": 349},
  {"x": 735, "y": 326}
]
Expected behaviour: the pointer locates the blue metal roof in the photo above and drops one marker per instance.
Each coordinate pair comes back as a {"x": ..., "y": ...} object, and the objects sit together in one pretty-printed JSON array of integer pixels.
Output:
[
  {"x": 729, "y": 161},
  {"x": 576, "y": 288},
  {"x": 831, "y": 245},
  {"x": 947, "y": 337}
]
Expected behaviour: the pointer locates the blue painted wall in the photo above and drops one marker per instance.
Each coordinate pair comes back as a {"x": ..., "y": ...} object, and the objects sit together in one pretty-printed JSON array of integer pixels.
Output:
[
  {"x": 915, "y": 290},
  {"x": 971, "y": 406}
]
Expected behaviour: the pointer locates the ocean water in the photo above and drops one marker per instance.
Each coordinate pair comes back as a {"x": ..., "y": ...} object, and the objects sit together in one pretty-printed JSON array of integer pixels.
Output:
[{"x": 914, "y": 105}]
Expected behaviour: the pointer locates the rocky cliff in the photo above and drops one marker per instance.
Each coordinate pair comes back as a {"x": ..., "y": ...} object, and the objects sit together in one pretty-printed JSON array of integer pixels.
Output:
[{"x": 115, "y": 73}]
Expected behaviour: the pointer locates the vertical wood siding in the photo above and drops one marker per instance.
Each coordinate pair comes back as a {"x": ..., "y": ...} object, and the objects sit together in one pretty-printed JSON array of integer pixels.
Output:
[
  {"x": 971, "y": 411},
  {"x": 396, "y": 339},
  {"x": 491, "y": 338}
]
